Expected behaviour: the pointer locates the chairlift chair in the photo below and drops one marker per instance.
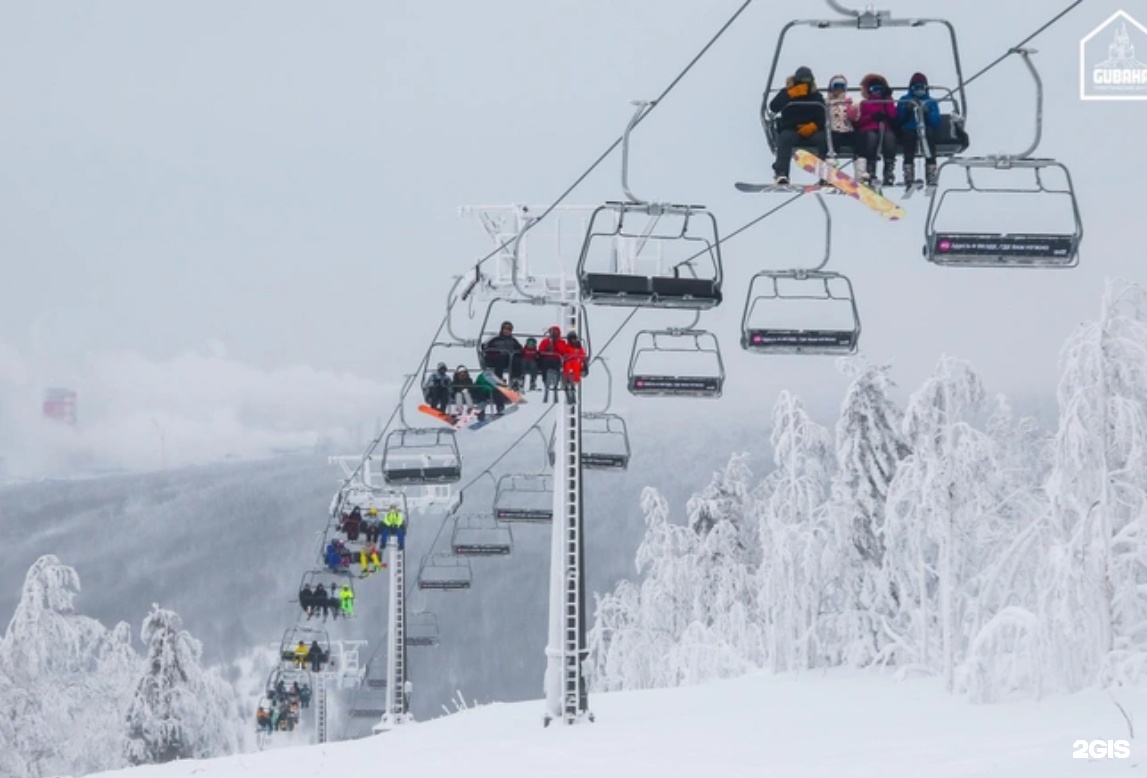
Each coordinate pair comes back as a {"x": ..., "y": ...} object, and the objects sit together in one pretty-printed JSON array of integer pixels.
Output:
[
  {"x": 422, "y": 630},
  {"x": 525, "y": 498},
  {"x": 1059, "y": 249},
  {"x": 313, "y": 578},
  {"x": 478, "y": 534},
  {"x": 444, "y": 572},
  {"x": 619, "y": 232},
  {"x": 950, "y": 138},
  {"x": 421, "y": 456},
  {"x": 1003, "y": 249},
  {"x": 604, "y": 442},
  {"x": 289, "y": 676},
  {"x": 540, "y": 315},
  {"x": 800, "y": 312},
  {"x": 695, "y": 283},
  {"x": 676, "y": 363},
  {"x": 307, "y": 635}
]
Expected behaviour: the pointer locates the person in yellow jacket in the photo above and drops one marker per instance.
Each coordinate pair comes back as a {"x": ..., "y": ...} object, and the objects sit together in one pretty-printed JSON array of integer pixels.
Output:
[
  {"x": 346, "y": 598},
  {"x": 394, "y": 523},
  {"x": 301, "y": 652}
]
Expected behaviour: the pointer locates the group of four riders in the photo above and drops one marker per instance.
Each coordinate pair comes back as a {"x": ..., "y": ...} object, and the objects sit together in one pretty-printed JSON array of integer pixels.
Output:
[{"x": 559, "y": 361}]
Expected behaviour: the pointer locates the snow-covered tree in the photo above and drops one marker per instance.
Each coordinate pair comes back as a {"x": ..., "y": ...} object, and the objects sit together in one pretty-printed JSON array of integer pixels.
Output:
[
  {"x": 1093, "y": 604},
  {"x": 179, "y": 710},
  {"x": 798, "y": 552},
  {"x": 869, "y": 448},
  {"x": 53, "y": 656},
  {"x": 939, "y": 514},
  {"x": 690, "y": 619}
]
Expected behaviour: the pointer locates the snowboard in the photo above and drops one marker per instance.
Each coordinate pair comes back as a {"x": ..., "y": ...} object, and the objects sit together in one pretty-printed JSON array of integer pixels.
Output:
[
  {"x": 491, "y": 417},
  {"x": 457, "y": 422},
  {"x": 811, "y": 163}
]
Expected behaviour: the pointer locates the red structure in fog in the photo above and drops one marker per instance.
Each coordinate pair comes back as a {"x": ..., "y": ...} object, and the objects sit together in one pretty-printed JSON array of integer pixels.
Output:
[{"x": 60, "y": 404}]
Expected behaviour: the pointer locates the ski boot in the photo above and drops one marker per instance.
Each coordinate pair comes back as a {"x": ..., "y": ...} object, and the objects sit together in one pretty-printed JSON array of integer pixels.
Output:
[
  {"x": 862, "y": 174},
  {"x": 889, "y": 173},
  {"x": 909, "y": 174},
  {"x": 931, "y": 174}
]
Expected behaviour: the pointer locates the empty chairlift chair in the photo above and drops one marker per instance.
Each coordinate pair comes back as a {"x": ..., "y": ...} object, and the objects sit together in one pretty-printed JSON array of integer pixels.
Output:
[
  {"x": 420, "y": 457},
  {"x": 478, "y": 534},
  {"x": 800, "y": 312},
  {"x": 676, "y": 363},
  {"x": 1045, "y": 235},
  {"x": 444, "y": 572},
  {"x": 604, "y": 442},
  {"x": 422, "y": 630},
  {"x": 645, "y": 254},
  {"x": 525, "y": 498},
  {"x": 611, "y": 266},
  {"x": 1001, "y": 237}
]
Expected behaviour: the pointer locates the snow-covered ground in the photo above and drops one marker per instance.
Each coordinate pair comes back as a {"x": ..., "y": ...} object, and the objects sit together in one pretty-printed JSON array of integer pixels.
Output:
[{"x": 834, "y": 725}]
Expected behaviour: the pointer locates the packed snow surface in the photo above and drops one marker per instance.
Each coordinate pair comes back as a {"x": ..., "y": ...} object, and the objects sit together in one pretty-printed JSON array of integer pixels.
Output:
[{"x": 817, "y": 725}]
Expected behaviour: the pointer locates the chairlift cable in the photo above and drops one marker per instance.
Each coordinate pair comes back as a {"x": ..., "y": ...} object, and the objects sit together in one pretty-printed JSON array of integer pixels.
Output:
[
  {"x": 1026, "y": 40},
  {"x": 617, "y": 142}
]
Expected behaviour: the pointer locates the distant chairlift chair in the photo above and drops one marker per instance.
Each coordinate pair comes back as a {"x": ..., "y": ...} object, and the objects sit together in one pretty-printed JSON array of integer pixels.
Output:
[
  {"x": 525, "y": 498},
  {"x": 480, "y": 535},
  {"x": 421, "y": 457},
  {"x": 444, "y": 572}
]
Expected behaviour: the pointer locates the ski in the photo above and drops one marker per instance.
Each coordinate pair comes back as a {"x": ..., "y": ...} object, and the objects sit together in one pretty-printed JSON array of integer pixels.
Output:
[
  {"x": 848, "y": 185},
  {"x": 743, "y": 186}
]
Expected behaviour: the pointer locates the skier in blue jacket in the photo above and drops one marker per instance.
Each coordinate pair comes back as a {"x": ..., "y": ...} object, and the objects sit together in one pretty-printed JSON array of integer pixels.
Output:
[{"x": 915, "y": 105}]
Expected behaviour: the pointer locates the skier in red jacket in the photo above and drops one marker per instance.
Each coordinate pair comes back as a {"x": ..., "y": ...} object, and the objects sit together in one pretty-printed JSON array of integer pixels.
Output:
[
  {"x": 573, "y": 365},
  {"x": 551, "y": 351}
]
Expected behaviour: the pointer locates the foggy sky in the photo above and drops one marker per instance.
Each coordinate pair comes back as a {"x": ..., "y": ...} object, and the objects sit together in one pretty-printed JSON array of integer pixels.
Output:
[{"x": 282, "y": 178}]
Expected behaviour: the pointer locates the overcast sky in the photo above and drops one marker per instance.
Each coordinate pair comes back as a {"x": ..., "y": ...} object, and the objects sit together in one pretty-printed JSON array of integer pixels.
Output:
[{"x": 275, "y": 184}]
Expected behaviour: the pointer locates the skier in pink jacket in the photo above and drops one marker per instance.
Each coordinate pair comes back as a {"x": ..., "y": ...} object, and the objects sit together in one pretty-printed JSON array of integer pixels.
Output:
[{"x": 876, "y": 129}]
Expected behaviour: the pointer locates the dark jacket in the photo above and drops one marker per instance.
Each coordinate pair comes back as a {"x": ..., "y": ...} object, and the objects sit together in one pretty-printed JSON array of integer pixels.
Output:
[
  {"x": 795, "y": 111},
  {"x": 500, "y": 348}
]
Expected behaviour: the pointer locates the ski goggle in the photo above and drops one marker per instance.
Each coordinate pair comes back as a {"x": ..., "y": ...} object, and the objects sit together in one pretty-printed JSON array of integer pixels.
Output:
[
  {"x": 842, "y": 85},
  {"x": 919, "y": 89},
  {"x": 876, "y": 89}
]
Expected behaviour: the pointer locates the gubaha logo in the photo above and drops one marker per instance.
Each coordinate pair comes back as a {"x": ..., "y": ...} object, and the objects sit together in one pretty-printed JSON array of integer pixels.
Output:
[{"x": 1108, "y": 67}]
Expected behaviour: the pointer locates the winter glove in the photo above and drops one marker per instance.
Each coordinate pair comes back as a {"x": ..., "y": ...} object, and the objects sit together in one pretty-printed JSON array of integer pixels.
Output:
[
  {"x": 806, "y": 130},
  {"x": 800, "y": 90}
]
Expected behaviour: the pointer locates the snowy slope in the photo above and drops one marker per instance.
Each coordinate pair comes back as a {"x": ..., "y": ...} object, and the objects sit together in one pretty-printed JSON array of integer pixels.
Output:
[{"x": 839, "y": 724}]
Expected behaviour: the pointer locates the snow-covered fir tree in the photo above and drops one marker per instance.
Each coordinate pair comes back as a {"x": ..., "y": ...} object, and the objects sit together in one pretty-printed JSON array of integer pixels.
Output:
[
  {"x": 869, "y": 448},
  {"x": 179, "y": 710}
]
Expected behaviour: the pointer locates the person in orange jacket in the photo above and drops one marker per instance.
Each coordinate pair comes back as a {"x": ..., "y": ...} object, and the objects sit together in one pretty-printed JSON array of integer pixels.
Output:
[{"x": 573, "y": 365}]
